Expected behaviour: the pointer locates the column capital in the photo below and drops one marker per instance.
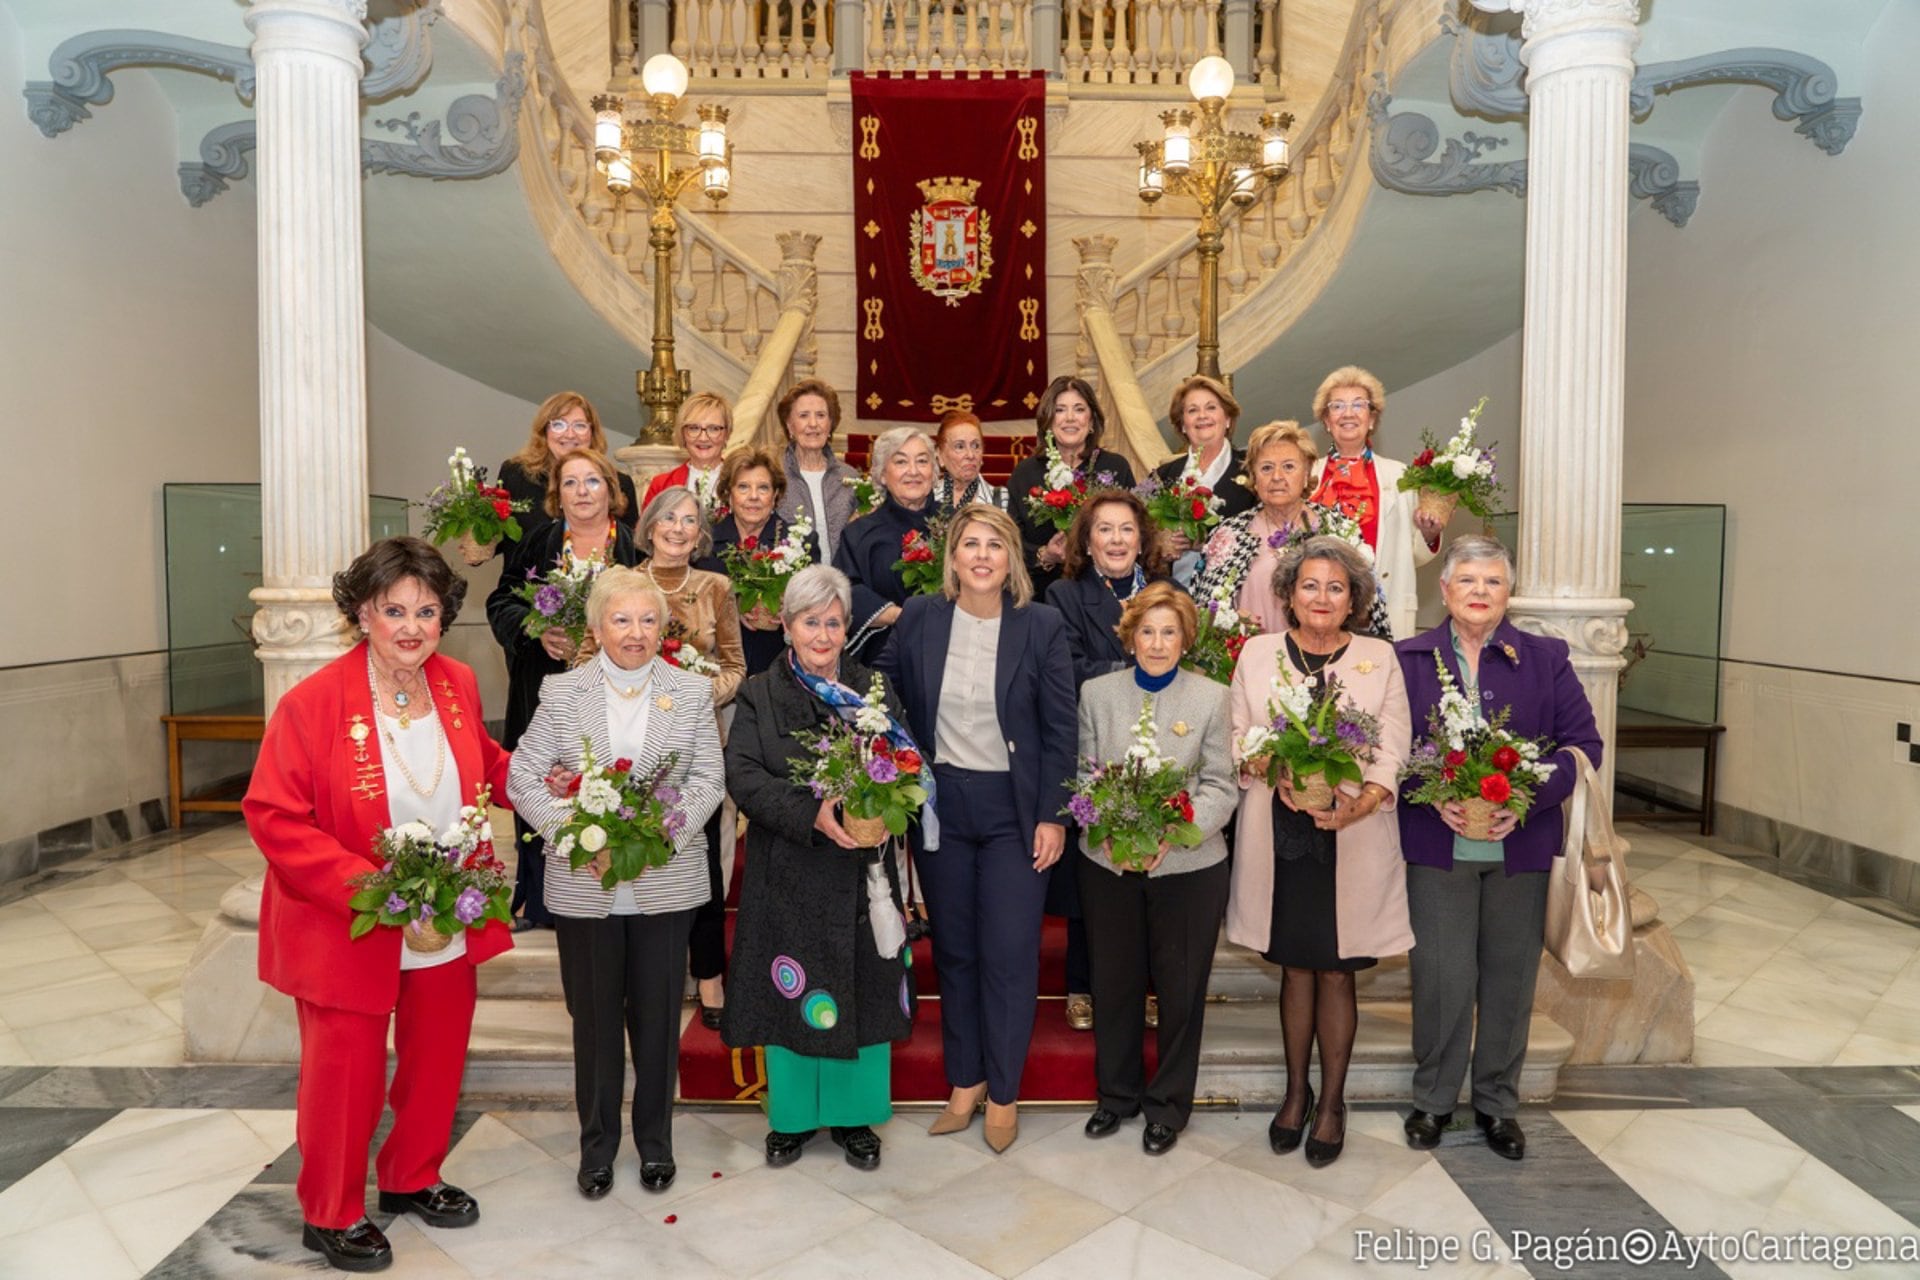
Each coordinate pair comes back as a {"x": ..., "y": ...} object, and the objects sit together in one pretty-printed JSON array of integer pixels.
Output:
[
  {"x": 332, "y": 27},
  {"x": 1543, "y": 18}
]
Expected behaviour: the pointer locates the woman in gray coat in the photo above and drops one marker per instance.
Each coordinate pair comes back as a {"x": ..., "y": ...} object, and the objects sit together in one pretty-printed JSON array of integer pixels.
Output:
[{"x": 1159, "y": 923}]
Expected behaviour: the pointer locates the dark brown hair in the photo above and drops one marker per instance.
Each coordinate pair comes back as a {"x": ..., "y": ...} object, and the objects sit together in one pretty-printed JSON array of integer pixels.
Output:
[
  {"x": 1043, "y": 416},
  {"x": 375, "y": 570},
  {"x": 1333, "y": 550},
  {"x": 809, "y": 387},
  {"x": 746, "y": 460},
  {"x": 616, "y": 497},
  {"x": 1079, "y": 554},
  {"x": 1157, "y": 595}
]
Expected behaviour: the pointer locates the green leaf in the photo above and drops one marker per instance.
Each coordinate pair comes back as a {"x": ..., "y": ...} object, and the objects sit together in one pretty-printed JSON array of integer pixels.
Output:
[{"x": 362, "y": 926}]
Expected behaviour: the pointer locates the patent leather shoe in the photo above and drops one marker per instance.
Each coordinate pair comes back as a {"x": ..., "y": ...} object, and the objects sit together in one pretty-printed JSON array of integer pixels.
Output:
[
  {"x": 861, "y": 1144},
  {"x": 784, "y": 1148},
  {"x": 1504, "y": 1135},
  {"x": 440, "y": 1205},
  {"x": 1102, "y": 1122},
  {"x": 657, "y": 1175},
  {"x": 594, "y": 1183},
  {"x": 1423, "y": 1128},
  {"x": 1158, "y": 1138},
  {"x": 710, "y": 1015},
  {"x": 360, "y": 1247},
  {"x": 1321, "y": 1154},
  {"x": 1283, "y": 1138}
]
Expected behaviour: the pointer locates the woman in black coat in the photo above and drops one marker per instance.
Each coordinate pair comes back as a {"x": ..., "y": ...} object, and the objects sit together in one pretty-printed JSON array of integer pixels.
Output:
[
  {"x": 564, "y": 424},
  {"x": 1069, "y": 416},
  {"x": 903, "y": 463},
  {"x": 751, "y": 487},
  {"x": 809, "y": 982}
]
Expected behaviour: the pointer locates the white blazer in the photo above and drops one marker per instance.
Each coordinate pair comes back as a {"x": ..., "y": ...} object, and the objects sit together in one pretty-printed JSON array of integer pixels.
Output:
[{"x": 1403, "y": 548}]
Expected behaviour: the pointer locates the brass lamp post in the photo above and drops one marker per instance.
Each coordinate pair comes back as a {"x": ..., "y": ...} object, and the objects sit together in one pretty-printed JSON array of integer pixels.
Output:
[
  {"x": 1217, "y": 167},
  {"x": 639, "y": 156}
]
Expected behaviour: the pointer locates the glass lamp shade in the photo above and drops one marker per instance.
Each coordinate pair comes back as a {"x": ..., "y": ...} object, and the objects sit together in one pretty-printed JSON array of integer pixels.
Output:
[
  {"x": 1153, "y": 183},
  {"x": 1246, "y": 186},
  {"x": 713, "y": 136},
  {"x": 1211, "y": 77},
  {"x": 608, "y": 125},
  {"x": 714, "y": 182},
  {"x": 1275, "y": 154},
  {"x": 620, "y": 174},
  {"x": 1176, "y": 145},
  {"x": 664, "y": 76}
]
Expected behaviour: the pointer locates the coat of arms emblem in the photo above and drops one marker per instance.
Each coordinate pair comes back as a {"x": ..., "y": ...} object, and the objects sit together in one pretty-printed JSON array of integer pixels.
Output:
[{"x": 950, "y": 248}]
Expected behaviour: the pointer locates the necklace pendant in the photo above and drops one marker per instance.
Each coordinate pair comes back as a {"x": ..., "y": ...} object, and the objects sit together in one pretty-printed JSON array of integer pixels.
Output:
[
  {"x": 406, "y": 721},
  {"x": 400, "y": 698}
]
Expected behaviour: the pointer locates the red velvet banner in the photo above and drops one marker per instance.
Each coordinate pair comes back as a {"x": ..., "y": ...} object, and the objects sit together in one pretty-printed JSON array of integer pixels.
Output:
[{"x": 949, "y": 215}]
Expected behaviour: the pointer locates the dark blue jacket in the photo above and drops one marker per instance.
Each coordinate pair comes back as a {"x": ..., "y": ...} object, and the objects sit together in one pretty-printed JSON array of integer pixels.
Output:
[
  {"x": 868, "y": 549},
  {"x": 1532, "y": 675},
  {"x": 760, "y": 647}
]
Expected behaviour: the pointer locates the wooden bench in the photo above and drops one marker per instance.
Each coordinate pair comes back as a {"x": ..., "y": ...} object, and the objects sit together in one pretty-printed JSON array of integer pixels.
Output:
[
  {"x": 1645, "y": 730},
  {"x": 232, "y": 725}
]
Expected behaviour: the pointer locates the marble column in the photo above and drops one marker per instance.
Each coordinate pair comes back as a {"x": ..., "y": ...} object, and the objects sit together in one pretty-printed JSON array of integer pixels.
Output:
[
  {"x": 1579, "y": 59},
  {"x": 313, "y": 397}
]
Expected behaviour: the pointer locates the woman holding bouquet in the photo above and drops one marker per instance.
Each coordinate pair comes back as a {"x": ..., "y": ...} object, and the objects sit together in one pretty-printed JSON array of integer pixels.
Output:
[
  {"x": 584, "y": 503},
  {"x": 1479, "y": 905},
  {"x": 1205, "y": 412},
  {"x": 705, "y": 423},
  {"x": 388, "y": 733},
  {"x": 702, "y": 633},
  {"x": 752, "y": 485},
  {"x": 1365, "y": 488},
  {"x": 1157, "y": 922},
  {"x": 963, "y": 454},
  {"x": 1319, "y": 891},
  {"x": 903, "y": 463},
  {"x": 564, "y": 424},
  {"x": 805, "y": 924},
  {"x": 987, "y": 679},
  {"x": 1067, "y": 424},
  {"x": 623, "y": 951},
  {"x": 818, "y": 483}
]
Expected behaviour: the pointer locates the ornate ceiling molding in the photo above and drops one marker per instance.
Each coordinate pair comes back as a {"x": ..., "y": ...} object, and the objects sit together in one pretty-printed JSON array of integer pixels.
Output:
[
  {"x": 82, "y": 69},
  {"x": 224, "y": 155}
]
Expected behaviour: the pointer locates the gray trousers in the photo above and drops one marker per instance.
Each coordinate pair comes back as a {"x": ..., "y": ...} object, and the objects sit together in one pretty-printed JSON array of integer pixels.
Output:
[{"x": 1477, "y": 938}]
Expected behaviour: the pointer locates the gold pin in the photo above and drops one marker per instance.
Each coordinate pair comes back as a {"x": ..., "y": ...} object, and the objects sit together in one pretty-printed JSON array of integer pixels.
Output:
[
  {"x": 1179, "y": 728},
  {"x": 663, "y": 702},
  {"x": 1364, "y": 667}
]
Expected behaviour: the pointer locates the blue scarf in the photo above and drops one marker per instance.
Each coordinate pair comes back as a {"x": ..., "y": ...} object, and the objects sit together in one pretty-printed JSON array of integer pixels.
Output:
[
  {"x": 846, "y": 704},
  {"x": 1154, "y": 684}
]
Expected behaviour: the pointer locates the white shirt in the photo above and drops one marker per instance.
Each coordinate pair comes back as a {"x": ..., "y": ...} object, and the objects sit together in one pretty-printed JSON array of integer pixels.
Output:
[
  {"x": 626, "y": 732},
  {"x": 966, "y": 731},
  {"x": 1214, "y": 475},
  {"x": 421, "y": 746},
  {"x": 814, "y": 480},
  {"x": 705, "y": 485}
]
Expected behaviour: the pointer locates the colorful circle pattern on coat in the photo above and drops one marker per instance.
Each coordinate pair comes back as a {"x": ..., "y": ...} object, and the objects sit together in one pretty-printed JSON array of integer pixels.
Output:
[
  {"x": 789, "y": 979},
  {"x": 906, "y": 997},
  {"x": 819, "y": 1011}
]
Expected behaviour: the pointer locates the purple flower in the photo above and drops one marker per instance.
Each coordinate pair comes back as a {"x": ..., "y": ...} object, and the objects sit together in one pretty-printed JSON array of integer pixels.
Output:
[
  {"x": 673, "y": 824},
  {"x": 1083, "y": 811},
  {"x": 881, "y": 770},
  {"x": 426, "y": 912},
  {"x": 1316, "y": 737},
  {"x": 667, "y": 795},
  {"x": 1103, "y": 479},
  {"x": 1148, "y": 487},
  {"x": 823, "y": 746},
  {"x": 549, "y": 600},
  {"x": 819, "y": 791},
  {"x": 469, "y": 905},
  {"x": 396, "y": 905},
  {"x": 1351, "y": 735},
  {"x": 1278, "y": 538}
]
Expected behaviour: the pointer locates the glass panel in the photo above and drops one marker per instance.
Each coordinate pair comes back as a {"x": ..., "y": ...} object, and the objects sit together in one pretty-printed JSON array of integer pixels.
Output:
[
  {"x": 1671, "y": 567},
  {"x": 213, "y": 561}
]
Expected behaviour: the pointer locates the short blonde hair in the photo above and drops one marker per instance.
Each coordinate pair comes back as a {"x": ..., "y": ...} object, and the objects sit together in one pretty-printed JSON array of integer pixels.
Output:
[
  {"x": 1275, "y": 434},
  {"x": 1351, "y": 375},
  {"x": 618, "y": 580},
  {"x": 1002, "y": 524},
  {"x": 1201, "y": 382},
  {"x": 1158, "y": 595},
  {"x": 694, "y": 404},
  {"x": 656, "y": 511},
  {"x": 616, "y": 496}
]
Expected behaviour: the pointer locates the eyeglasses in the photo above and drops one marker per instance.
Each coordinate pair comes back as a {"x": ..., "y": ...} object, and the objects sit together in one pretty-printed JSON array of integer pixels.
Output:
[
  {"x": 589, "y": 483},
  {"x": 704, "y": 429},
  {"x": 1341, "y": 406},
  {"x": 561, "y": 427}
]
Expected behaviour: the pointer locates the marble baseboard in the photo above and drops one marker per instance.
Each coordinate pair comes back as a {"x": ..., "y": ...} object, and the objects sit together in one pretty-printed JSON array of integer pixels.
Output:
[
  {"x": 1871, "y": 871},
  {"x": 44, "y": 850}
]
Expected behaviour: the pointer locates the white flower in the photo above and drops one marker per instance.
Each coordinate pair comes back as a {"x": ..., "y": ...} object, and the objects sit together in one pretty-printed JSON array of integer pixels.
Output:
[
  {"x": 593, "y": 839},
  {"x": 598, "y": 796},
  {"x": 486, "y": 832},
  {"x": 415, "y": 830},
  {"x": 453, "y": 836},
  {"x": 1294, "y": 699},
  {"x": 563, "y": 846},
  {"x": 870, "y": 720},
  {"x": 1254, "y": 742}
]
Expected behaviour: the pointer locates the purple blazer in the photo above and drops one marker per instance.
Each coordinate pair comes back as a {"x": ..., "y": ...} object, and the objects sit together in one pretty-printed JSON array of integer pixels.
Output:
[{"x": 1533, "y": 675}]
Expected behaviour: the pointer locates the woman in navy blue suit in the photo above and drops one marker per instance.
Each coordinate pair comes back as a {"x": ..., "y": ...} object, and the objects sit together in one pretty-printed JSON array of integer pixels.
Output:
[{"x": 987, "y": 679}]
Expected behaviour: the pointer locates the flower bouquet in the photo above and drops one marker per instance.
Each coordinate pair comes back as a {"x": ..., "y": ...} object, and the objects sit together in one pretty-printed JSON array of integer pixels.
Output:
[
  {"x": 559, "y": 599},
  {"x": 632, "y": 818},
  {"x": 1137, "y": 803},
  {"x": 760, "y": 574},
  {"x": 1319, "y": 739},
  {"x": 678, "y": 651},
  {"x": 1057, "y": 501},
  {"x": 1186, "y": 506},
  {"x": 923, "y": 559},
  {"x": 467, "y": 508},
  {"x": 432, "y": 887},
  {"x": 866, "y": 494},
  {"x": 1224, "y": 632},
  {"x": 876, "y": 780},
  {"x": 1454, "y": 474},
  {"x": 1467, "y": 758}
]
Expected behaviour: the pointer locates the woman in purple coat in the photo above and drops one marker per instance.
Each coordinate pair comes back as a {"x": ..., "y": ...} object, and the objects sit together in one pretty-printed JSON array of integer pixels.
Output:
[{"x": 1478, "y": 907}]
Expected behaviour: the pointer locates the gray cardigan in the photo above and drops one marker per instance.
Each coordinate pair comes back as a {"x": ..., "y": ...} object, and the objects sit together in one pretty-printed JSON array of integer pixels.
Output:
[{"x": 1195, "y": 728}]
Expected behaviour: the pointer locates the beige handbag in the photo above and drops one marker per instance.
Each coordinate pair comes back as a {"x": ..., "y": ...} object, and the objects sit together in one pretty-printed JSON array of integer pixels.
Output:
[{"x": 1589, "y": 926}]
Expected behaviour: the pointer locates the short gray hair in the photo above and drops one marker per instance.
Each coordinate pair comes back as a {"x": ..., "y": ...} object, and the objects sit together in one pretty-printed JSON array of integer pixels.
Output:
[
  {"x": 890, "y": 442},
  {"x": 618, "y": 580},
  {"x": 815, "y": 586},
  {"x": 656, "y": 511},
  {"x": 1475, "y": 547},
  {"x": 1322, "y": 546}
]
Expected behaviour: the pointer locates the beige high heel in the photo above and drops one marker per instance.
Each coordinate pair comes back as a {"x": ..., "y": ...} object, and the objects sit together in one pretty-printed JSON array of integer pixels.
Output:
[
  {"x": 951, "y": 1121},
  {"x": 1001, "y": 1136}
]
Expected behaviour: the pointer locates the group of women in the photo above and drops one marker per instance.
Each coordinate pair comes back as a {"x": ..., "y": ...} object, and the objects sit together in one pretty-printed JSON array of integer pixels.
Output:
[{"x": 1040, "y": 649}]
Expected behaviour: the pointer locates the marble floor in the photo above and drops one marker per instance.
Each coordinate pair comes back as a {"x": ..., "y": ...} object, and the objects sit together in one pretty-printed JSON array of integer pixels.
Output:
[{"x": 1798, "y": 1125}]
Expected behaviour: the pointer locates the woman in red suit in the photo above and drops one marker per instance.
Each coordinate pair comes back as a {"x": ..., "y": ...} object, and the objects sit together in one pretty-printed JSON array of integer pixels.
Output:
[
  {"x": 705, "y": 424},
  {"x": 388, "y": 733}
]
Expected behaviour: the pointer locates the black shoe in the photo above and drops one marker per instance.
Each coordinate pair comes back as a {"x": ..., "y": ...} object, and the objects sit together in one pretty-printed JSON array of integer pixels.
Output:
[
  {"x": 1505, "y": 1136},
  {"x": 657, "y": 1175},
  {"x": 784, "y": 1148},
  {"x": 1158, "y": 1139},
  {"x": 439, "y": 1205},
  {"x": 359, "y": 1247},
  {"x": 1283, "y": 1139},
  {"x": 710, "y": 1015},
  {"x": 1321, "y": 1154},
  {"x": 1424, "y": 1128},
  {"x": 861, "y": 1144},
  {"x": 594, "y": 1183},
  {"x": 1102, "y": 1123}
]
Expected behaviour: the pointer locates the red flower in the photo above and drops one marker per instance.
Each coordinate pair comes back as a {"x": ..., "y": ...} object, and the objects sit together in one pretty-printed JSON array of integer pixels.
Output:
[
  {"x": 1505, "y": 758},
  {"x": 1448, "y": 773},
  {"x": 573, "y": 788},
  {"x": 749, "y": 542},
  {"x": 1060, "y": 499},
  {"x": 1199, "y": 509},
  {"x": 1182, "y": 805},
  {"x": 1034, "y": 492},
  {"x": 1456, "y": 758},
  {"x": 1425, "y": 458},
  {"x": 907, "y": 761},
  {"x": 883, "y": 748},
  {"x": 623, "y": 765},
  {"x": 1495, "y": 788},
  {"x": 501, "y": 508}
]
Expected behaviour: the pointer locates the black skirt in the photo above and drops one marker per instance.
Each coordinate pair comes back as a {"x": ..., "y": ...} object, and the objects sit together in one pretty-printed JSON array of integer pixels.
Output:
[{"x": 1304, "y": 933}]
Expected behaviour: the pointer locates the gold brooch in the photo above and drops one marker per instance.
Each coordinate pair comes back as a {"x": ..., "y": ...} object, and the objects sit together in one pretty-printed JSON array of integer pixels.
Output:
[
  {"x": 663, "y": 702},
  {"x": 1364, "y": 666},
  {"x": 1179, "y": 728},
  {"x": 1513, "y": 655},
  {"x": 359, "y": 733}
]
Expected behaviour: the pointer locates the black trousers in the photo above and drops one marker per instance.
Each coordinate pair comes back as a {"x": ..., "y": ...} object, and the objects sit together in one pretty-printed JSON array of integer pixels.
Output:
[
  {"x": 529, "y": 874},
  {"x": 624, "y": 981},
  {"x": 1161, "y": 929},
  {"x": 709, "y": 940}
]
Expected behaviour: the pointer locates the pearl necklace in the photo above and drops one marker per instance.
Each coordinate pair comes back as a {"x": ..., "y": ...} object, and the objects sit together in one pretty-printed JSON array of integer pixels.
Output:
[{"x": 400, "y": 700}]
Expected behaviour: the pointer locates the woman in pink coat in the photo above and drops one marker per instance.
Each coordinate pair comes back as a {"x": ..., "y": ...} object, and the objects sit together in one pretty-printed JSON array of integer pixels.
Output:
[{"x": 1320, "y": 893}]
